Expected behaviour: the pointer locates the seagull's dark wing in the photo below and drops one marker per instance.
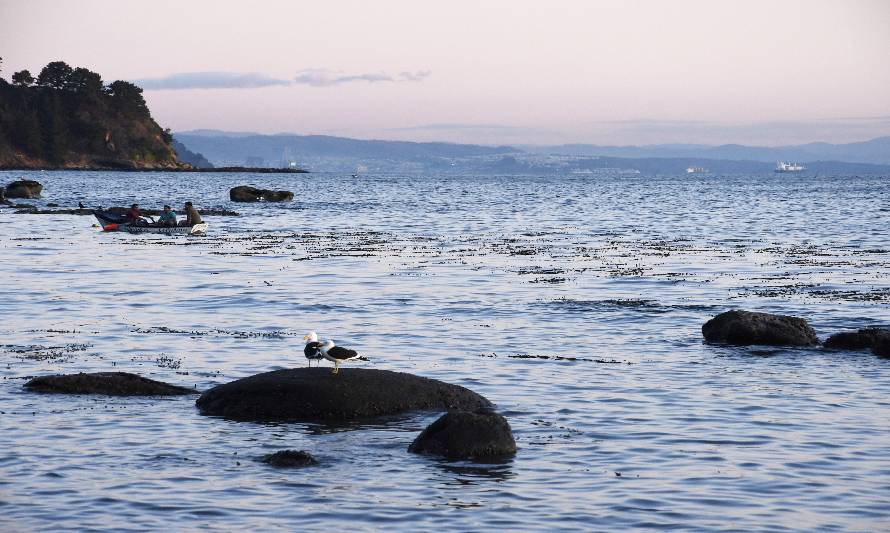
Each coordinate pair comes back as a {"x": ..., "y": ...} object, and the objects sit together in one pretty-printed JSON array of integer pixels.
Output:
[{"x": 339, "y": 352}]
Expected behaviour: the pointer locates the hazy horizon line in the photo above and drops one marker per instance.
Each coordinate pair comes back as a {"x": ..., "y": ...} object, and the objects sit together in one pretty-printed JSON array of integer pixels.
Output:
[{"x": 501, "y": 128}]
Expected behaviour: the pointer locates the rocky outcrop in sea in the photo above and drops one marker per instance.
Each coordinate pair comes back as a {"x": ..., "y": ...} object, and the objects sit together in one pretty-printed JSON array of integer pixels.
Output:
[
  {"x": 109, "y": 383},
  {"x": 745, "y": 328},
  {"x": 315, "y": 394},
  {"x": 467, "y": 435},
  {"x": 246, "y": 193}
]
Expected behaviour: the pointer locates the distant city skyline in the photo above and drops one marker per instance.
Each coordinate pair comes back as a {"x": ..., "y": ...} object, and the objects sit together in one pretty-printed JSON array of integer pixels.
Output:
[{"x": 493, "y": 72}]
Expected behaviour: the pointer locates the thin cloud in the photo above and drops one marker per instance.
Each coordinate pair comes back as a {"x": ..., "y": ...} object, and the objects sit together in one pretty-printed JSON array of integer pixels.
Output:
[
  {"x": 320, "y": 77},
  {"x": 314, "y": 77},
  {"x": 210, "y": 80},
  {"x": 418, "y": 75}
]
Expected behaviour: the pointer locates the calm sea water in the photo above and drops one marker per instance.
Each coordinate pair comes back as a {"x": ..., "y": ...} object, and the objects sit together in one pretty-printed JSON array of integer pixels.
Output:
[{"x": 573, "y": 303}]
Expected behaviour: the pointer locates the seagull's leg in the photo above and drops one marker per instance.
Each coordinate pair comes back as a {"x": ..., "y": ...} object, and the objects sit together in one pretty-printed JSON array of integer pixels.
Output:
[{"x": 336, "y": 367}]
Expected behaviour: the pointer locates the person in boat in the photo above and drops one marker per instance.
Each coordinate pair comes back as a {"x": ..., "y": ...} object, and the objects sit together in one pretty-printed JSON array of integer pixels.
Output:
[
  {"x": 191, "y": 216},
  {"x": 167, "y": 218},
  {"x": 134, "y": 215}
]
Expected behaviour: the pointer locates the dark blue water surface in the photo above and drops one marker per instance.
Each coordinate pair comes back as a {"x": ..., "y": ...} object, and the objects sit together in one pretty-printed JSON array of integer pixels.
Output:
[{"x": 604, "y": 281}]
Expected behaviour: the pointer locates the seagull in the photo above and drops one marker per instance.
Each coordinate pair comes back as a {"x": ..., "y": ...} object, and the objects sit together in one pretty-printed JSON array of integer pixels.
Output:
[
  {"x": 336, "y": 354},
  {"x": 80, "y": 205},
  {"x": 311, "y": 350}
]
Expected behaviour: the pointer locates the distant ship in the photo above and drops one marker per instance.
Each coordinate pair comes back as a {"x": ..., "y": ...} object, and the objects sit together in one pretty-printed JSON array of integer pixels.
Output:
[
  {"x": 782, "y": 166},
  {"x": 696, "y": 170}
]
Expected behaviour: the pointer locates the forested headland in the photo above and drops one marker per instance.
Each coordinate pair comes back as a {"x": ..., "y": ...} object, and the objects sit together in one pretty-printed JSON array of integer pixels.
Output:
[{"x": 69, "y": 118}]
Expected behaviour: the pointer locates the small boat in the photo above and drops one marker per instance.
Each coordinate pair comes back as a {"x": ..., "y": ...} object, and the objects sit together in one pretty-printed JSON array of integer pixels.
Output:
[
  {"x": 782, "y": 167},
  {"x": 114, "y": 222},
  {"x": 696, "y": 170}
]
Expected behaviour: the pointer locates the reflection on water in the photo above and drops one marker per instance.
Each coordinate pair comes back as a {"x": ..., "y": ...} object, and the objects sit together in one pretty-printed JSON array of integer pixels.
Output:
[{"x": 573, "y": 304}]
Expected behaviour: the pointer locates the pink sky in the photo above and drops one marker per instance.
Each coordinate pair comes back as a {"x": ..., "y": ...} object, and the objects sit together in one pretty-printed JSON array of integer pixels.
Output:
[{"x": 613, "y": 72}]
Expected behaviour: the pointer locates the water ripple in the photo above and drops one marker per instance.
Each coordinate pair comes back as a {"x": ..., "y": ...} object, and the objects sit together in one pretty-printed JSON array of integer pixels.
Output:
[{"x": 574, "y": 304}]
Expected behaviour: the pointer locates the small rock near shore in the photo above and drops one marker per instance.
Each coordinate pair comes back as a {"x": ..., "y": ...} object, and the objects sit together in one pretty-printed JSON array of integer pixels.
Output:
[
  {"x": 109, "y": 383},
  {"x": 857, "y": 340},
  {"x": 246, "y": 193},
  {"x": 24, "y": 189},
  {"x": 466, "y": 435},
  {"x": 743, "y": 328},
  {"x": 290, "y": 458}
]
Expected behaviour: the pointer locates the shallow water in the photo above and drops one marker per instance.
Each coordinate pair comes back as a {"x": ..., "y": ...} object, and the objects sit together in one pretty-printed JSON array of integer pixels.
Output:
[{"x": 575, "y": 304}]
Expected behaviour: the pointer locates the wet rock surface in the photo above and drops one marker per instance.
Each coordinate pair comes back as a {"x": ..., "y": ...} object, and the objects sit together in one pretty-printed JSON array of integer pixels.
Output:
[
  {"x": 466, "y": 435},
  {"x": 246, "y": 193},
  {"x": 881, "y": 347},
  {"x": 110, "y": 383},
  {"x": 745, "y": 328},
  {"x": 290, "y": 459},
  {"x": 23, "y": 189},
  {"x": 862, "y": 339},
  {"x": 315, "y": 394}
]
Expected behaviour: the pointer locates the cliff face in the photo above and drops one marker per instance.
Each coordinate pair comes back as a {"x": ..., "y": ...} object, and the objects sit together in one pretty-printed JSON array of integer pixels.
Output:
[{"x": 69, "y": 119}]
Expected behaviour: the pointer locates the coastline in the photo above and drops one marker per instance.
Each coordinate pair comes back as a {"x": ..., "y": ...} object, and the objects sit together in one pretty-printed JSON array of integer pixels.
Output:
[{"x": 257, "y": 170}]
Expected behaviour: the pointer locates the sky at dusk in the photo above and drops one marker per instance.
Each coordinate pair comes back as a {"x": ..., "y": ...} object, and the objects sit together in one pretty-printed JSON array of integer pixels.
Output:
[{"x": 603, "y": 72}]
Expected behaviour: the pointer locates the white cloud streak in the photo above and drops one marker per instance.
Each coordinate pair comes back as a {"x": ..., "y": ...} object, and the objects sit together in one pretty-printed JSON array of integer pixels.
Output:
[
  {"x": 210, "y": 80},
  {"x": 315, "y": 77},
  {"x": 320, "y": 77}
]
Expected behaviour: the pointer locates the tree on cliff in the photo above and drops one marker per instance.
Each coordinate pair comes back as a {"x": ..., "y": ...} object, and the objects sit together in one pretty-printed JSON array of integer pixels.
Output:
[
  {"x": 55, "y": 75},
  {"x": 22, "y": 78},
  {"x": 53, "y": 125},
  {"x": 127, "y": 98},
  {"x": 85, "y": 81}
]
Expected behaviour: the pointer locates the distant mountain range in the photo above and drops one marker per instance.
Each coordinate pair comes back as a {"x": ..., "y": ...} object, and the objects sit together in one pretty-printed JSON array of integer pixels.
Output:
[
  {"x": 875, "y": 151},
  {"x": 225, "y": 148},
  {"x": 340, "y": 154}
]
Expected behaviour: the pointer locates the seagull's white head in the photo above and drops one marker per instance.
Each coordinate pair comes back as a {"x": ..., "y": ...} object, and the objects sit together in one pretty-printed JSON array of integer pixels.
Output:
[
  {"x": 326, "y": 345},
  {"x": 311, "y": 337}
]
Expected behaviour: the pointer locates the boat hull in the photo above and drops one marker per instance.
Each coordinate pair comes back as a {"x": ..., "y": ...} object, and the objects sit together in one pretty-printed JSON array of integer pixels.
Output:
[
  {"x": 113, "y": 222},
  {"x": 197, "y": 229}
]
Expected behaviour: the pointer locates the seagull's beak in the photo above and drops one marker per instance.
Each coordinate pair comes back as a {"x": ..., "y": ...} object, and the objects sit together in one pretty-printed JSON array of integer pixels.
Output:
[{"x": 305, "y": 337}]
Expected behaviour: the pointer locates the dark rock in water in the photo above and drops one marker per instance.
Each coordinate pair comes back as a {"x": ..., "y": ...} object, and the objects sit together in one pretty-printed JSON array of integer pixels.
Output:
[
  {"x": 278, "y": 196},
  {"x": 24, "y": 189},
  {"x": 110, "y": 383},
  {"x": 52, "y": 205},
  {"x": 290, "y": 458},
  {"x": 881, "y": 347},
  {"x": 307, "y": 394},
  {"x": 466, "y": 435},
  {"x": 857, "y": 340},
  {"x": 245, "y": 193},
  {"x": 744, "y": 328}
]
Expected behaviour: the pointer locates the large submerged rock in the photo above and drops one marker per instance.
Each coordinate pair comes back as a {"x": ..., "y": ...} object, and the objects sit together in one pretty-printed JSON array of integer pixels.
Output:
[
  {"x": 746, "y": 327},
  {"x": 23, "y": 189},
  {"x": 466, "y": 435},
  {"x": 881, "y": 347},
  {"x": 862, "y": 339},
  {"x": 315, "y": 394},
  {"x": 110, "y": 383},
  {"x": 246, "y": 193},
  {"x": 290, "y": 459}
]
